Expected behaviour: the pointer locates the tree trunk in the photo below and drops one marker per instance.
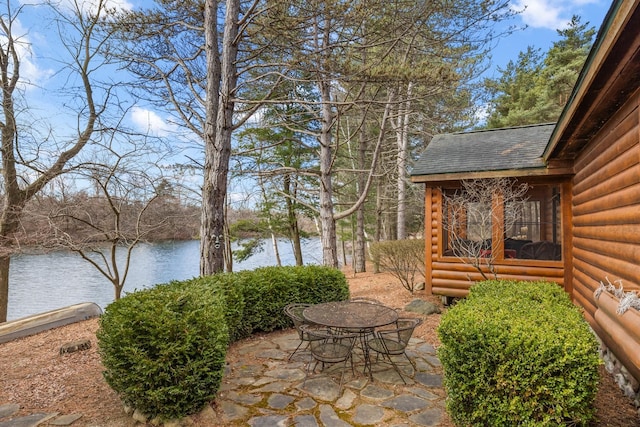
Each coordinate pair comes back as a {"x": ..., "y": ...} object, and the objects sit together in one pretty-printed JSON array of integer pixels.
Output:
[
  {"x": 327, "y": 222},
  {"x": 207, "y": 237},
  {"x": 14, "y": 201},
  {"x": 359, "y": 249},
  {"x": 228, "y": 253},
  {"x": 378, "y": 230},
  {"x": 402, "y": 133},
  {"x": 276, "y": 252},
  {"x": 294, "y": 230},
  {"x": 5, "y": 261},
  {"x": 218, "y": 135},
  {"x": 118, "y": 289}
]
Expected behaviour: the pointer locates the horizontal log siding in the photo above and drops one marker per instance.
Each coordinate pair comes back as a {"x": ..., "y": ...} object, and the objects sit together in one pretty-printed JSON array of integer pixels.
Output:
[
  {"x": 428, "y": 237},
  {"x": 606, "y": 222},
  {"x": 455, "y": 278}
]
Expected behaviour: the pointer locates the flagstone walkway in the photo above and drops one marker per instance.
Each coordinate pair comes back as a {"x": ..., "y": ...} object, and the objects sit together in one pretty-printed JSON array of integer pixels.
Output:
[{"x": 262, "y": 389}]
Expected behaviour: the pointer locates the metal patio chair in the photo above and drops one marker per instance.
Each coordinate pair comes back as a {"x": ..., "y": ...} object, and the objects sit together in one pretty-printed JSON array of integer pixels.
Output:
[
  {"x": 294, "y": 312},
  {"x": 330, "y": 347},
  {"x": 393, "y": 342}
]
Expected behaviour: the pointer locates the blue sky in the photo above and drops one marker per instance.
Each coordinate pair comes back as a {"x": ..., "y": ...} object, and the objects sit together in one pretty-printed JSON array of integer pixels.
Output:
[
  {"x": 40, "y": 52},
  {"x": 543, "y": 18}
]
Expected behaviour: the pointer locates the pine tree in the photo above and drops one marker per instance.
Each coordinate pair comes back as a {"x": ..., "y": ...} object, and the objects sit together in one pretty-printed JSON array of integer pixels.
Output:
[{"x": 535, "y": 89}]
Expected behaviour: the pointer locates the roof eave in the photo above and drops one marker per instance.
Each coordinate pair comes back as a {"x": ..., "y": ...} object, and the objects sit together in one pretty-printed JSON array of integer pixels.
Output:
[{"x": 506, "y": 173}]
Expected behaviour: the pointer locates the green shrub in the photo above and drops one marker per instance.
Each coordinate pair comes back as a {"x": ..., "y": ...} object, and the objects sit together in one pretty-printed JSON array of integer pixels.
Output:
[
  {"x": 254, "y": 300},
  {"x": 229, "y": 286},
  {"x": 164, "y": 348},
  {"x": 317, "y": 284},
  {"x": 518, "y": 353},
  {"x": 402, "y": 258},
  {"x": 267, "y": 290}
]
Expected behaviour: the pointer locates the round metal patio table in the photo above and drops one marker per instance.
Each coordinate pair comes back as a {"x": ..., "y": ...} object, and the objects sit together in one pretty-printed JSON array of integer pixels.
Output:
[{"x": 360, "y": 317}]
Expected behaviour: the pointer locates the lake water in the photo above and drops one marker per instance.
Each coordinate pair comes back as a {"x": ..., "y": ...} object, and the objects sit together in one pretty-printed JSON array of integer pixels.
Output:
[{"x": 43, "y": 282}]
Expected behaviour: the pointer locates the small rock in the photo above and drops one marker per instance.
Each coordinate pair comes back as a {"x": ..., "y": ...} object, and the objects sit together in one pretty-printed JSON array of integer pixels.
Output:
[
  {"x": 29, "y": 420},
  {"x": 74, "y": 346},
  {"x": 208, "y": 416},
  {"x": 346, "y": 401},
  {"x": 140, "y": 416},
  {"x": 422, "y": 307}
]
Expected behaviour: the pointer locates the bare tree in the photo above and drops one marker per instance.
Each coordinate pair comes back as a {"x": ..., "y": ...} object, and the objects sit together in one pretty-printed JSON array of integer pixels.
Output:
[
  {"x": 26, "y": 168},
  {"x": 126, "y": 193},
  {"x": 469, "y": 215}
]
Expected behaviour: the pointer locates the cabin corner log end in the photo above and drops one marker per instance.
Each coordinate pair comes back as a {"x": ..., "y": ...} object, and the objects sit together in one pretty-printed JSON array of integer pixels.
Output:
[{"x": 620, "y": 332}]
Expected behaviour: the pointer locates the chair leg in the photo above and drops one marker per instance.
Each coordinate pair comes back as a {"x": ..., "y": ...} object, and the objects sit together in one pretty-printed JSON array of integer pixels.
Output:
[
  {"x": 413, "y": 364},
  {"x": 344, "y": 366},
  {"x": 296, "y": 350},
  {"x": 309, "y": 370},
  {"x": 388, "y": 356}
]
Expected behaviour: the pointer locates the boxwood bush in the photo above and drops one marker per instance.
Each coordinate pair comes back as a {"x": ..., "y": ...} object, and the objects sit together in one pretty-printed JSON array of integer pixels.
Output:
[
  {"x": 164, "y": 348},
  {"x": 267, "y": 290},
  {"x": 518, "y": 353},
  {"x": 254, "y": 300}
]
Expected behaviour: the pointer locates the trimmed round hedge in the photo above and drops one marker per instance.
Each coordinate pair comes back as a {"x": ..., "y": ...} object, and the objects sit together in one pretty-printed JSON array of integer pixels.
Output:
[
  {"x": 518, "y": 353},
  {"x": 164, "y": 348}
]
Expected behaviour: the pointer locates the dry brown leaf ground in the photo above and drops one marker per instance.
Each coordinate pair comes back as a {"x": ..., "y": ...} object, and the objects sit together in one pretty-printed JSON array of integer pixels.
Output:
[{"x": 34, "y": 375}]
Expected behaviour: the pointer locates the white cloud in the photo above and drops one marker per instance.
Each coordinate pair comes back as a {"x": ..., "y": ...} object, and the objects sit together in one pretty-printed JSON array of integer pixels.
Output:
[
  {"x": 91, "y": 6},
  {"x": 544, "y": 13},
  {"x": 549, "y": 14},
  {"x": 31, "y": 73},
  {"x": 150, "y": 122},
  {"x": 584, "y": 2},
  {"x": 553, "y": 14},
  {"x": 33, "y": 40}
]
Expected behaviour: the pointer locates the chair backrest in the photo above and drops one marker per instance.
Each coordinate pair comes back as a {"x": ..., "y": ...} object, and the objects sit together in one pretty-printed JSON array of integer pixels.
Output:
[
  {"x": 403, "y": 332},
  {"x": 366, "y": 299},
  {"x": 328, "y": 345},
  {"x": 294, "y": 312}
]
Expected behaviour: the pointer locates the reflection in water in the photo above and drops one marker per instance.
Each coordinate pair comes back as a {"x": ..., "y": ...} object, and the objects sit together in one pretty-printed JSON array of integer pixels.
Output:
[{"x": 39, "y": 283}]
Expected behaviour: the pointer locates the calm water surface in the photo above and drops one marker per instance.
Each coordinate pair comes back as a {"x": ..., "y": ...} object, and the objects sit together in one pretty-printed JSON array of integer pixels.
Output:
[{"x": 43, "y": 282}]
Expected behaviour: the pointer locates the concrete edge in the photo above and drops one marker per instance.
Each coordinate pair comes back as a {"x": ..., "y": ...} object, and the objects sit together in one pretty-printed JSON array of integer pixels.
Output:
[{"x": 37, "y": 323}]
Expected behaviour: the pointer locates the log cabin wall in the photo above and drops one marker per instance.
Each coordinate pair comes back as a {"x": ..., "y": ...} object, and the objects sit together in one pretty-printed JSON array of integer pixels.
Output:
[
  {"x": 606, "y": 227},
  {"x": 606, "y": 209},
  {"x": 450, "y": 276}
]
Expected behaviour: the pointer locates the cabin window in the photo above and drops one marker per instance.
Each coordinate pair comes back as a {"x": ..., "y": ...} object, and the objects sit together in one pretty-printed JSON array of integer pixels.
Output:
[
  {"x": 468, "y": 225},
  {"x": 534, "y": 231},
  {"x": 531, "y": 226}
]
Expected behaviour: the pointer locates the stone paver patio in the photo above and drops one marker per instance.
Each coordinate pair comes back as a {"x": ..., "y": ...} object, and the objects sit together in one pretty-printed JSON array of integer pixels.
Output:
[{"x": 261, "y": 388}]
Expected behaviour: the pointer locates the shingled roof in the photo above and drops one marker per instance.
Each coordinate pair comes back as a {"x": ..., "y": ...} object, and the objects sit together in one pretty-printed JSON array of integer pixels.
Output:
[{"x": 491, "y": 150}]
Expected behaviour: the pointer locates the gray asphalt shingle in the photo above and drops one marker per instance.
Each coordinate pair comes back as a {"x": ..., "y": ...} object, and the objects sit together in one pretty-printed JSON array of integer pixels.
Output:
[{"x": 486, "y": 150}]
